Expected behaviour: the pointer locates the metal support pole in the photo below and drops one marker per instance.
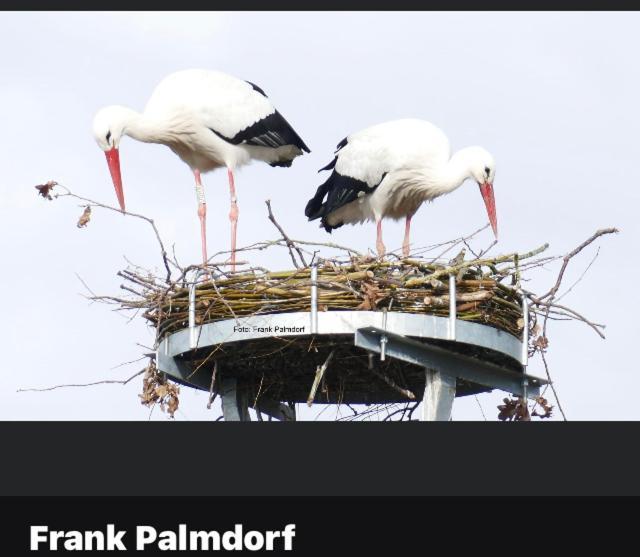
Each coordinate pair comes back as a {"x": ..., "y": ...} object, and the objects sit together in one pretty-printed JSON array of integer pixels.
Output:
[
  {"x": 314, "y": 298},
  {"x": 440, "y": 389},
  {"x": 524, "y": 355},
  {"x": 383, "y": 339},
  {"x": 452, "y": 307},
  {"x": 439, "y": 392}
]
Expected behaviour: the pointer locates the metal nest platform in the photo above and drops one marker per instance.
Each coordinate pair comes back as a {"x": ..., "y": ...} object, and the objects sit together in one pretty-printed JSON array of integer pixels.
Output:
[{"x": 271, "y": 361}]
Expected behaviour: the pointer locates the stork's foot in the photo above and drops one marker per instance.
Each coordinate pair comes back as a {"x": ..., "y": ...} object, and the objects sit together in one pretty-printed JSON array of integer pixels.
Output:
[
  {"x": 382, "y": 250},
  {"x": 405, "y": 250}
]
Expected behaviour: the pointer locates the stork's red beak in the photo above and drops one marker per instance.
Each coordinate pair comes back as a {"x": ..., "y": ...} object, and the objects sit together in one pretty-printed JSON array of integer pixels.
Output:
[
  {"x": 486, "y": 190},
  {"x": 113, "y": 160}
]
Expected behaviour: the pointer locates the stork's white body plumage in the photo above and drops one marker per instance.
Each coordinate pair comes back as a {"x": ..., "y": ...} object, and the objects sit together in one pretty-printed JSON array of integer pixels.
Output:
[
  {"x": 390, "y": 169},
  {"x": 407, "y": 153},
  {"x": 210, "y": 120},
  {"x": 190, "y": 103}
]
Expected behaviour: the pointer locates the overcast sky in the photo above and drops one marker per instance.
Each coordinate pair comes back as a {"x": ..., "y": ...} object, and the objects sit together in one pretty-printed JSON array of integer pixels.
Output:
[{"x": 553, "y": 96}]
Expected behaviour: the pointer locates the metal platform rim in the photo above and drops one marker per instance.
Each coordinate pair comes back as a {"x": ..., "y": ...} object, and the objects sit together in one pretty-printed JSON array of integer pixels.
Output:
[{"x": 292, "y": 324}]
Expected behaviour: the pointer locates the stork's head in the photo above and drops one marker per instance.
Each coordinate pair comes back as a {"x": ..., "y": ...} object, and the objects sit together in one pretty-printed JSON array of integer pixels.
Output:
[
  {"x": 482, "y": 168},
  {"x": 108, "y": 127}
]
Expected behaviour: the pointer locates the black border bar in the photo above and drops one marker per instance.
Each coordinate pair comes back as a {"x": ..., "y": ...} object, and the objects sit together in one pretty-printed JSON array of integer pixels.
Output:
[{"x": 328, "y": 459}]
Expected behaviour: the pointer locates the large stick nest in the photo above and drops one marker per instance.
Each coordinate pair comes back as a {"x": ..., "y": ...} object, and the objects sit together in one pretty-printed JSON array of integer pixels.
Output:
[{"x": 411, "y": 286}]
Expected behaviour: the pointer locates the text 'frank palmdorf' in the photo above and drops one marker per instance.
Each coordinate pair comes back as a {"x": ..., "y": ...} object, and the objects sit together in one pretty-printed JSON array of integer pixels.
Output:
[{"x": 147, "y": 537}]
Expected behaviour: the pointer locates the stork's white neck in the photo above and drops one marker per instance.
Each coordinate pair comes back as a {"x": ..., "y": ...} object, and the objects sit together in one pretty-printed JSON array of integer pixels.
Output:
[
  {"x": 125, "y": 121},
  {"x": 141, "y": 128},
  {"x": 456, "y": 171}
]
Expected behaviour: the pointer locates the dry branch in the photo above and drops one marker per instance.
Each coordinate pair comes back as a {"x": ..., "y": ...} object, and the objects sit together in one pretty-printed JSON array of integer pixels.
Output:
[
  {"x": 103, "y": 382},
  {"x": 91, "y": 203},
  {"x": 286, "y": 238},
  {"x": 318, "y": 377},
  {"x": 404, "y": 392}
]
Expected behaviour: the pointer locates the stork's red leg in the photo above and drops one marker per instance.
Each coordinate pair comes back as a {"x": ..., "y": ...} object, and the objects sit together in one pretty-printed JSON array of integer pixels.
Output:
[
  {"x": 379, "y": 245},
  {"x": 202, "y": 215},
  {"x": 405, "y": 244},
  {"x": 233, "y": 217}
]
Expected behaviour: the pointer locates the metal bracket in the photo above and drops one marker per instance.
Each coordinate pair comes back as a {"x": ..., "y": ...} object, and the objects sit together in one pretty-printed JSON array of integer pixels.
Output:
[
  {"x": 447, "y": 362},
  {"x": 193, "y": 337},
  {"x": 277, "y": 410}
]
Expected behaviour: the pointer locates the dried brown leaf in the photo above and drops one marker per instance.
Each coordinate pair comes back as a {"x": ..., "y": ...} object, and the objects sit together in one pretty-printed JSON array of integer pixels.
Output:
[
  {"x": 45, "y": 189},
  {"x": 172, "y": 405},
  {"x": 157, "y": 390},
  {"x": 541, "y": 342},
  {"x": 85, "y": 217},
  {"x": 513, "y": 410},
  {"x": 161, "y": 391},
  {"x": 546, "y": 407},
  {"x": 372, "y": 296}
]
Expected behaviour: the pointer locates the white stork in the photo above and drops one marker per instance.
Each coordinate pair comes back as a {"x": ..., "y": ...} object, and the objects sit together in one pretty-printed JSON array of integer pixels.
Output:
[
  {"x": 209, "y": 119},
  {"x": 390, "y": 169}
]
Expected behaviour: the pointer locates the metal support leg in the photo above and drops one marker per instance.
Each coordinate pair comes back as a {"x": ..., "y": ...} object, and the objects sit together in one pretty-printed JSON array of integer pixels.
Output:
[
  {"x": 439, "y": 392},
  {"x": 276, "y": 410},
  {"x": 235, "y": 404}
]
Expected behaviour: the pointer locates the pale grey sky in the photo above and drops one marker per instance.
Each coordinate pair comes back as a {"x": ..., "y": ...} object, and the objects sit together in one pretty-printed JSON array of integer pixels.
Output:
[{"x": 553, "y": 96}]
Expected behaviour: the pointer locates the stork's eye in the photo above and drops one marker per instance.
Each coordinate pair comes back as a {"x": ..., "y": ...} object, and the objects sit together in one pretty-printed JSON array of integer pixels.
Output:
[
  {"x": 487, "y": 170},
  {"x": 108, "y": 136}
]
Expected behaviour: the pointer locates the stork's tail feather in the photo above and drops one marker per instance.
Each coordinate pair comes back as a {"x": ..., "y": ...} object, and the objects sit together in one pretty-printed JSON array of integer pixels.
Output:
[
  {"x": 340, "y": 191},
  {"x": 336, "y": 196},
  {"x": 285, "y": 164},
  {"x": 329, "y": 227}
]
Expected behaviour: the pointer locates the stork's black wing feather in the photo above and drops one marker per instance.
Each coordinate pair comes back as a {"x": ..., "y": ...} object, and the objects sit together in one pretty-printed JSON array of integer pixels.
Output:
[
  {"x": 272, "y": 131},
  {"x": 256, "y": 88},
  {"x": 335, "y": 159},
  {"x": 330, "y": 165},
  {"x": 339, "y": 191},
  {"x": 341, "y": 145}
]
